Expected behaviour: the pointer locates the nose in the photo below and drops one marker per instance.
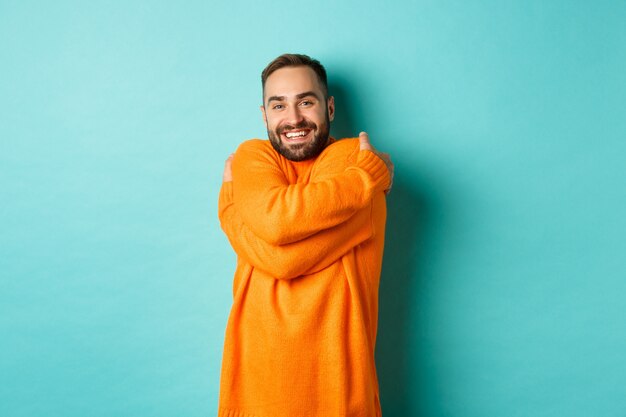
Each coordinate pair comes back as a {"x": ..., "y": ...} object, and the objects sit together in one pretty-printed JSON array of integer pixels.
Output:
[{"x": 294, "y": 116}]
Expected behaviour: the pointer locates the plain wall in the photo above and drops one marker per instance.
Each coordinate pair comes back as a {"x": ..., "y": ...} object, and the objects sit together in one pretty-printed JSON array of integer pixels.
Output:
[{"x": 503, "y": 285}]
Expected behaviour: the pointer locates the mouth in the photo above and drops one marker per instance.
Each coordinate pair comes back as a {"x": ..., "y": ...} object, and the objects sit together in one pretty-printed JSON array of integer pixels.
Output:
[{"x": 296, "y": 136}]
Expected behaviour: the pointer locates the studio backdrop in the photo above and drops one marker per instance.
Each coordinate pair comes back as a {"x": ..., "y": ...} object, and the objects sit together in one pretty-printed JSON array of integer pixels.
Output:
[{"x": 504, "y": 277}]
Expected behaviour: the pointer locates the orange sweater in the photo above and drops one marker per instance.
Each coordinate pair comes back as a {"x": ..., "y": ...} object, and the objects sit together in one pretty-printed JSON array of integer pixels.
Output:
[{"x": 309, "y": 240}]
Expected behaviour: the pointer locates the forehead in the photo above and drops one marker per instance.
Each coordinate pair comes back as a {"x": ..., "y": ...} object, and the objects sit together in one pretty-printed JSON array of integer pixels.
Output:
[{"x": 290, "y": 81}]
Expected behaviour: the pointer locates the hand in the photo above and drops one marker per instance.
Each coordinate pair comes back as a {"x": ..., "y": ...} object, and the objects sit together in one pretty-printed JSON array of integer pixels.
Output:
[
  {"x": 228, "y": 169},
  {"x": 364, "y": 141}
]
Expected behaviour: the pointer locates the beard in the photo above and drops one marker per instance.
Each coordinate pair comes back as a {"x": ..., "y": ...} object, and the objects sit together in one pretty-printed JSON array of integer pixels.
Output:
[{"x": 301, "y": 151}]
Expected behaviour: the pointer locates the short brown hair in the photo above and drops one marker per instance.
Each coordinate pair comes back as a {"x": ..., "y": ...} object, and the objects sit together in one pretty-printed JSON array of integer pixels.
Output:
[{"x": 296, "y": 60}]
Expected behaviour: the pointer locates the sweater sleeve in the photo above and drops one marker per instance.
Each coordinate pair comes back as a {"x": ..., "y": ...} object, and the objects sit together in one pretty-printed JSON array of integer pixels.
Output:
[
  {"x": 303, "y": 257},
  {"x": 279, "y": 212}
]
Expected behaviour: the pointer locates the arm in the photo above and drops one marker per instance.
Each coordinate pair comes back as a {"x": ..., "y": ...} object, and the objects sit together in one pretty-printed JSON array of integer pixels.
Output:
[
  {"x": 294, "y": 259},
  {"x": 279, "y": 212}
]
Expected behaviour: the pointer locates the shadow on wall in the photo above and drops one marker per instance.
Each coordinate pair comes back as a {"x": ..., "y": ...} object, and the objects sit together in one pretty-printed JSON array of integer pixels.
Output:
[
  {"x": 396, "y": 361},
  {"x": 407, "y": 218},
  {"x": 343, "y": 126}
]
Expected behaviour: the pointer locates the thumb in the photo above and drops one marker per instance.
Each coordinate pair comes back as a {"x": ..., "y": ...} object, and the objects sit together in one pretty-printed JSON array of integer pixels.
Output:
[
  {"x": 228, "y": 170},
  {"x": 229, "y": 161},
  {"x": 364, "y": 142}
]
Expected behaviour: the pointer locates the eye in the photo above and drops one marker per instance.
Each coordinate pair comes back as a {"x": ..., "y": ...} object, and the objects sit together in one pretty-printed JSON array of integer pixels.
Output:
[
  {"x": 306, "y": 103},
  {"x": 277, "y": 107}
]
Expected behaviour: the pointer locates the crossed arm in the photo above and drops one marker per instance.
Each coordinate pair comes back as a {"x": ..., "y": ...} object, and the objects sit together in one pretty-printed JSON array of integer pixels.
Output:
[
  {"x": 294, "y": 259},
  {"x": 289, "y": 230}
]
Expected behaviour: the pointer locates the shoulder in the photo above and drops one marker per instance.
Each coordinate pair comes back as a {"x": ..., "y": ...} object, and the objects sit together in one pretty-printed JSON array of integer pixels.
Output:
[
  {"x": 342, "y": 148},
  {"x": 347, "y": 145},
  {"x": 255, "y": 149},
  {"x": 255, "y": 145},
  {"x": 336, "y": 157}
]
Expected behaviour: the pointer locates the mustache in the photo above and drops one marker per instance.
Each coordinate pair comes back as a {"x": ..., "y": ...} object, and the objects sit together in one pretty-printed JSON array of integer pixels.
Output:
[{"x": 305, "y": 124}]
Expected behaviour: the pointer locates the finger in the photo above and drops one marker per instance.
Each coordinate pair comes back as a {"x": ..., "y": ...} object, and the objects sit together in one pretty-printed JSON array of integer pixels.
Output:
[
  {"x": 229, "y": 162},
  {"x": 364, "y": 141},
  {"x": 228, "y": 170},
  {"x": 388, "y": 190}
]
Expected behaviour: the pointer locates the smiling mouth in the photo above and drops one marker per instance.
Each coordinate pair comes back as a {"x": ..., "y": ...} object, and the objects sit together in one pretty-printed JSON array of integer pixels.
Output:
[{"x": 296, "y": 136}]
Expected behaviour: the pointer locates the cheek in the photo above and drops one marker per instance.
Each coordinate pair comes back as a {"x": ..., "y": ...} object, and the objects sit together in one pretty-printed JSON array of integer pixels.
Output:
[
  {"x": 321, "y": 118},
  {"x": 317, "y": 116},
  {"x": 270, "y": 123}
]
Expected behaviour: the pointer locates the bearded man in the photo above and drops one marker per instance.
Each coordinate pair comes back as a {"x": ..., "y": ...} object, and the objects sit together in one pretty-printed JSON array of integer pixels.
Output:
[{"x": 305, "y": 214}]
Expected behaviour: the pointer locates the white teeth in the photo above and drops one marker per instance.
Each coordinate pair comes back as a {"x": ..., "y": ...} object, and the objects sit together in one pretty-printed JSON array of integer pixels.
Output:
[{"x": 295, "y": 134}]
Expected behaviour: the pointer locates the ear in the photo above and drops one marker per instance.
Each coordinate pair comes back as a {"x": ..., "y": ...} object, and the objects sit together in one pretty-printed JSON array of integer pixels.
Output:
[
  {"x": 330, "y": 105},
  {"x": 263, "y": 113}
]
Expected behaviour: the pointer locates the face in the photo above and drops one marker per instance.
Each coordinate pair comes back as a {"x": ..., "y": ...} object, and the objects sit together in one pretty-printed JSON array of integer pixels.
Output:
[{"x": 296, "y": 114}]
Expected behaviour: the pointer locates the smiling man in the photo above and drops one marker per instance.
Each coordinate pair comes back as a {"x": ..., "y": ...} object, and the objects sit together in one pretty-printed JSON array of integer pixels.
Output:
[
  {"x": 298, "y": 122},
  {"x": 305, "y": 214}
]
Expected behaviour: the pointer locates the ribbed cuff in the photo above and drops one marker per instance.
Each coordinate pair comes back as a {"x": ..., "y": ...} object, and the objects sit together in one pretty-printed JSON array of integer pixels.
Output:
[
  {"x": 225, "y": 197},
  {"x": 375, "y": 167},
  {"x": 227, "y": 189},
  {"x": 223, "y": 412}
]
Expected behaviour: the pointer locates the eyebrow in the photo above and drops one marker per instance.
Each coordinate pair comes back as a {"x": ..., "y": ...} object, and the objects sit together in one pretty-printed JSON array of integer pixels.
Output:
[{"x": 298, "y": 96}]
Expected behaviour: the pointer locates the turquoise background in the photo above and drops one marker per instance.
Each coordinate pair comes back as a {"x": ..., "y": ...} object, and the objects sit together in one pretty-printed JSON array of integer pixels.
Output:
[{"x": 505, "y": 271}]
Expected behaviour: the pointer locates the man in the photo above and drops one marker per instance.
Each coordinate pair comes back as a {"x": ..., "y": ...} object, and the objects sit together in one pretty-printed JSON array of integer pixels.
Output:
[{"x": 305, "y": 214}]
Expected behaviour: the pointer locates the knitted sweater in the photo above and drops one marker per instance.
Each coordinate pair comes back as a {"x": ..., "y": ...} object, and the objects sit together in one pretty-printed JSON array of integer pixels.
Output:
[{"x": 309, "y": 241}]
